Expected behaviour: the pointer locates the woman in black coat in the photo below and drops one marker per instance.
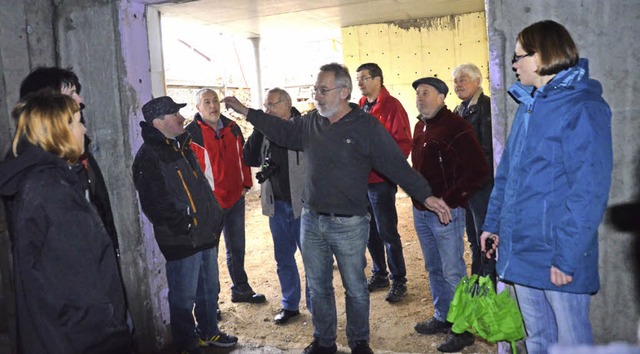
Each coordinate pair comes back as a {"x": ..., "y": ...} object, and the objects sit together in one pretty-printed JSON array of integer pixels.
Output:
[{"x": 69, "y": 295}]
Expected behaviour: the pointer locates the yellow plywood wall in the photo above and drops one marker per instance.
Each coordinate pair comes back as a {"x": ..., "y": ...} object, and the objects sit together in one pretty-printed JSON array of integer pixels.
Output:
[{"x": 409, "y": 50}]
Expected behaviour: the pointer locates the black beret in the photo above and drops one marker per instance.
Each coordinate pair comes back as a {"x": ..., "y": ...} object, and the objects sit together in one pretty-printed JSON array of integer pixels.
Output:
[{"x": 432, "y": 81}]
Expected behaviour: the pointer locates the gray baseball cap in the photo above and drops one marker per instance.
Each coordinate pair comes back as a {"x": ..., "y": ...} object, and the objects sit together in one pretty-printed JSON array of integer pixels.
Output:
[{"x": 160, "y": 106}]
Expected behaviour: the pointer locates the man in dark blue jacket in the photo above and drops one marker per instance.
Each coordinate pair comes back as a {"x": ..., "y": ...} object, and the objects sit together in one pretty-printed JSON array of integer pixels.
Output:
[{"x": 187, "y": 221}]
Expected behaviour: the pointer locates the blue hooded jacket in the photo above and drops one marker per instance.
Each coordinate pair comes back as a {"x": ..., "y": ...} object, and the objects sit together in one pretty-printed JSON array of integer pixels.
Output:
[{"x": 552, "y": 184}]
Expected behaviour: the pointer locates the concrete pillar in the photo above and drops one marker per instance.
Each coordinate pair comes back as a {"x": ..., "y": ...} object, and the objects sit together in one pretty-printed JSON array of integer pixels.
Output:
[
  {"x": 604, "y": 33},
  {"x": 258, "y": 94}
]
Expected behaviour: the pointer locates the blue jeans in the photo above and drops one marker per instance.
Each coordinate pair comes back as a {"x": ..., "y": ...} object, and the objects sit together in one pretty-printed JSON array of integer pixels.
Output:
[
  {"x": 443, "y": 251},
  {"x": 324, "y": 237},
  {"x": 383, "y": 232},
  {"x": 285, "y": 230},
  {"x": 193, "y": 280},
  {"x": 234, "y": 239},
  {"x": 553, "y": 317}
]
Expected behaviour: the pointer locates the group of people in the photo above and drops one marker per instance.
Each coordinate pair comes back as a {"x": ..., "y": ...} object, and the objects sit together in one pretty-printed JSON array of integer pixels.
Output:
[{"x": 328, "y": 185}]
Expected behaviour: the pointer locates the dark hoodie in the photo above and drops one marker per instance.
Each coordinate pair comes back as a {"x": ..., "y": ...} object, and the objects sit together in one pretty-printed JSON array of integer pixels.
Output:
[{"x": 69, "y": 295}]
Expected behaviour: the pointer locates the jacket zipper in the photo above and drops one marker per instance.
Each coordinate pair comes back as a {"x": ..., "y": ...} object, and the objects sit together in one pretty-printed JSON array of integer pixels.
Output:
[
  {"x": 193, "y": 205},
  {"x": 444, "y": 175}
]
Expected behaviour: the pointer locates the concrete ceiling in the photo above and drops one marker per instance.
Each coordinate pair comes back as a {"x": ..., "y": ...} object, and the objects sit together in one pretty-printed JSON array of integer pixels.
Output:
[{"x": 312, "y": 19}]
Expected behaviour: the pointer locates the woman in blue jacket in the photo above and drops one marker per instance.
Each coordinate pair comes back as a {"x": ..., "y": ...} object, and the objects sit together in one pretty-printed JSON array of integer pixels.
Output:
[{"x": 551, "y": 188}]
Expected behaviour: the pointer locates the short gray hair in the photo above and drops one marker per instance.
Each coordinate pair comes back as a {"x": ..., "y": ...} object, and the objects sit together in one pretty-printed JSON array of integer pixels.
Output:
[
  {"x": 284, "y": 95},
  {"x": 469, "y": 69},
  {"x": 201, "y": 92},
  {"x": 341, "y": 73}
]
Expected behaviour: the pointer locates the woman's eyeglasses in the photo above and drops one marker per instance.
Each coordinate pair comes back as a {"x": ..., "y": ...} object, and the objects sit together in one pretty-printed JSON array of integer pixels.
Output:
[{"x": 517, "y": 58}]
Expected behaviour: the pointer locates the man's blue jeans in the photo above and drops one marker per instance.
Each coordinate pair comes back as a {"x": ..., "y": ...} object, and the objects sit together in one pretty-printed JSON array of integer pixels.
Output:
[
  {"x": 553, "y": 317},
  {"x": 234, "y": 238},
  {"x": 193, "y": 280},
  {"x": 285, "y": 230},
  {"x": 324, "y": 237},
  {"x": 443, "y": 252},
  {"x": 383, "y": 232}
]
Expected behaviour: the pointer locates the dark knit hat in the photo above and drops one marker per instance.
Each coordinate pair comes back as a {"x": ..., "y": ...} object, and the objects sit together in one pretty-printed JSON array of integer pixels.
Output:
[
  {"x": 159, "y": 107},
  {"x": 432, "y": 81}
]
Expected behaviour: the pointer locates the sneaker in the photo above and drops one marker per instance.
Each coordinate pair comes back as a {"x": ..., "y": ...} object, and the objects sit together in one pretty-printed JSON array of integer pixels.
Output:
[
  {"x": 220, "y": 340},
  {"x": 316, "y": 348},
  {"x": 397, "y": 292},
  {"x": 377, "y": 282},
  {"x": 362, "y": 347},
  {"x": 456, "y": 342},
  {"x": 432, "y": 326}
]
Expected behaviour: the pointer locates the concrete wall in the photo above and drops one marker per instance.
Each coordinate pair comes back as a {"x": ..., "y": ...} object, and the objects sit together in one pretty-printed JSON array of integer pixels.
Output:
[
  {"x": 409, "y": 50},
  {"x": 26, "y": 40},
  {"x": 604, "y": 32}
]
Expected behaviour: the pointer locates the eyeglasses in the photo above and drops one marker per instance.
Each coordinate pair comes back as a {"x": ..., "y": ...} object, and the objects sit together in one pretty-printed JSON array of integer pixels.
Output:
[
  {"x": 517, "y": 58},
  {"x": 323, "y": 91},
  {"x": 364, "y": 79},
  {"x": 269, "y": 106}
]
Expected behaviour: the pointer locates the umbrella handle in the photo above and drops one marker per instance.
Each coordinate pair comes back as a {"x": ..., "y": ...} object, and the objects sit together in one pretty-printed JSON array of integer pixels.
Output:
[{"x": 491, "y": 262}]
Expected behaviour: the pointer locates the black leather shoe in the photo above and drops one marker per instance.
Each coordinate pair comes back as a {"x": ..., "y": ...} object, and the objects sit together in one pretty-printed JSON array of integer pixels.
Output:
[
  {"x": 251, "y": 298},
  {"x": 362, "y": 347},
  {"x": 377, "y": 281},
  {"x": 316, "y": 348},
  {"x": 397, "y": 292},
  {"x": 432, "y": 326},
  {"x": 456, "y": 342},
  {"x": 284, "y": 316}
]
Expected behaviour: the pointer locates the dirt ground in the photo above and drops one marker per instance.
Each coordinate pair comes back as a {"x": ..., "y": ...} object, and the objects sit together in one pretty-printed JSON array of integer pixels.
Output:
[{"x": 391, "y": 324}]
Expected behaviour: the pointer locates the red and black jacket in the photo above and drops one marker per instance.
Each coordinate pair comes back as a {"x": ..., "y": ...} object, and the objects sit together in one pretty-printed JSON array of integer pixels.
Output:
[{"x": 220, "y": 157}]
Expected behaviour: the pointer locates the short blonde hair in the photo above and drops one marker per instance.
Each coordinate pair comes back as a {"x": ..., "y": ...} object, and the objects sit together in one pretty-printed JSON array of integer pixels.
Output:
[{"x": 44, "y": 120}]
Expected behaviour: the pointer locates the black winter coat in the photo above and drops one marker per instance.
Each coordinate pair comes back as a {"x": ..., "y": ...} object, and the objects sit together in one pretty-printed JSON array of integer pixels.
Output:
[
  {"x": 69, "y": 294},
  {"x": 479, "y": 116},
  {"x": 100, "y": 196},
  {"x": 175, "y": 195}
]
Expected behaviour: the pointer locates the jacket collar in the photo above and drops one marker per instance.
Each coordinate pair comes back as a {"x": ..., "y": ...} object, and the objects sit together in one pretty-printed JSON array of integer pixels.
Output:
[
  {"x": 460, "y": 109},
  {"x": 564, "y": 80},
  {"x": 439, "y": 116},
  {"x": 476, "y": 96},
  {"x": 382, "y": 96},
  {"x": 152, "y": 135},
  {"x": 225, "y": 121}
]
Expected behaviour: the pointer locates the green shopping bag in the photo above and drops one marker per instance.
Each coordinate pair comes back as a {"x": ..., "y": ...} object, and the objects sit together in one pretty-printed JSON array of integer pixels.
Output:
[{"x": 478, "y": 309}]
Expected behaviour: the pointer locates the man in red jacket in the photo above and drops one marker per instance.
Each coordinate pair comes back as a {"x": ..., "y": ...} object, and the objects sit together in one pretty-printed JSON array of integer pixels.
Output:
[
  {"x": 217, "y": 142},
  {"x": 383, "y": 231}
]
